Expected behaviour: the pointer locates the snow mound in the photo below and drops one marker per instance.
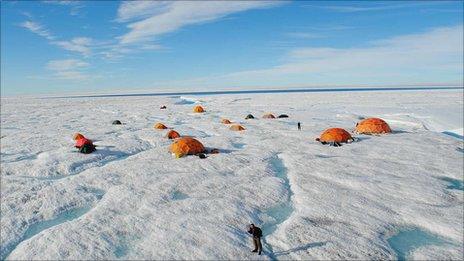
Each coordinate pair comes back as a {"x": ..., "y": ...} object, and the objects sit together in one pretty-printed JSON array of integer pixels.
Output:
[{"x": 187, "y": 100}]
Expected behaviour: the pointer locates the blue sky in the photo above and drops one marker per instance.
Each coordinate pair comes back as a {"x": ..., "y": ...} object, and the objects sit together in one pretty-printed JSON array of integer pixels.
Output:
[{"x": 104, "y": 46}]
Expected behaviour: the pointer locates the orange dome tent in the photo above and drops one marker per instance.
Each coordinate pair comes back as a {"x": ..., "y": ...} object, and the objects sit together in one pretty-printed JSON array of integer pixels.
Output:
[
  {"x": 198, "y": 108},
  {"x": 269, "y": 116},
  {"x": 226, "y": 121},
  {"x": 186, "y": 146},
  {"x": 335, "y": 136},
  {"x": 160, "y": 126},
  {"x": 237, "y": 127},
  {"x": 78, "y": 136},
  {"x": 172, "y": 134},
  {"x": 372, "y": 126}
]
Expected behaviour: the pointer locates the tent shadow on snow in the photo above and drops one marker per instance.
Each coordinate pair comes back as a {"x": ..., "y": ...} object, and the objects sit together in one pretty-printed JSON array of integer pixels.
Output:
[
  {"x": 221, "y": 151},
  {"x": 363, "y": 136},
  {"x": 103, "y": 156},
  {"x": 358, "y": 139},
  {"x": 325, "y": 156},
  {"x": 300, "y": 248},
  {"x": 399, "y": 132},
  {"x": 104, "y": 146},
  {"x": 98, "y": 158}
]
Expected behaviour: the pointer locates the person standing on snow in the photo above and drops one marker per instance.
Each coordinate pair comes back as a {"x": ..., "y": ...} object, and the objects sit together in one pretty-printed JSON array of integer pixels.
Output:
[
  {"x": 299, "y": 126},
  {"x": 257, "y": 234}
]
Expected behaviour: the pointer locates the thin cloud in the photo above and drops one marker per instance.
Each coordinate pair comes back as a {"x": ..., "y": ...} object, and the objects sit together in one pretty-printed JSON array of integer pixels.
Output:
[
  {"x": 382, "y": 7},
  {"x": 63, "y": 2},
  {"x": 70, "y": 75},
  {"x": 66, "y": 65},
  {"x": 432, "y": 56},
  {"x": 132, "y": 10},
  {"x": 68, "y": 69},
  {"x": 437, "y": 49},
  {"x": 166, "y": 17},
  {"x": 76, "y": 10},
  {"x": 27, "y": 14},
  {"x": 74, "y": 5},
  {"x": 116, "y": 51},
  {"x": 152, "y": 47},
  {"x": 37, "y": 29},
  {"x": 79, "y": 44},
  {"x": 82, "y": 45}
]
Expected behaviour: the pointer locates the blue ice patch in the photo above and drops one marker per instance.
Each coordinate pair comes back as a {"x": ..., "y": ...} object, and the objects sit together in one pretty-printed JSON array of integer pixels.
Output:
[
  {"x": 453, "y": 183},
  {"x": 409, "y": 239}
]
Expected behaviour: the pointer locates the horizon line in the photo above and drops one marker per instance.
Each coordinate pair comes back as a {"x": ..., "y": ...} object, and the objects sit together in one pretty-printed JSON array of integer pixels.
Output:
[{"x": 261, "y": 91}]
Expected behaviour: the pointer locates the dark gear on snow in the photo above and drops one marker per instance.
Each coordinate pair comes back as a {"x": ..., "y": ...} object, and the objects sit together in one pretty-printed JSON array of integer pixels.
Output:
[
  {"x": 249, "y": 116},
  {"x": 87, "y": 148}
]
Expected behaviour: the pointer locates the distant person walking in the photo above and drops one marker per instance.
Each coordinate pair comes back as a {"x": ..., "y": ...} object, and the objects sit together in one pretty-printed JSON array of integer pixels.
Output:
[
  {"x": 257, "y": 234},
  {"x": 299, "y": 126}
]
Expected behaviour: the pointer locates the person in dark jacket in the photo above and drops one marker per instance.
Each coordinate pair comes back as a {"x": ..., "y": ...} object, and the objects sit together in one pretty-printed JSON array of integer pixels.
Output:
[
  {"x": 257, "y": 234},
  {"x": 299, "y": 126}
]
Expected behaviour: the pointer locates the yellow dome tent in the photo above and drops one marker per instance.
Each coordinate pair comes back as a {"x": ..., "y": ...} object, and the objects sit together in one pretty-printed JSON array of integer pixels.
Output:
[
  {"x": 198, "y": 109},
  {"x": 160, "y": 126},
  {"x": 269, "y": 116},
  {"x": 237, "y": 127}
]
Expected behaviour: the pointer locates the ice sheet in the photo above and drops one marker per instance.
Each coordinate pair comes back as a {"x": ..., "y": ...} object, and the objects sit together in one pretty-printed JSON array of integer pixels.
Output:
[{"x": 313, "y": 201}]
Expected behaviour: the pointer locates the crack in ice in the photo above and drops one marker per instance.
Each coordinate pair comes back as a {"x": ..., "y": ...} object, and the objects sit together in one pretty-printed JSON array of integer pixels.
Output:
[{"x": 282, "y": 211}]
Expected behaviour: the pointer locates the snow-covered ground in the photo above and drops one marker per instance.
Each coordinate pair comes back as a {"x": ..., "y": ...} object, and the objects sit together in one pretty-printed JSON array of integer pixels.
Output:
[{"x": 382, "y": 197}]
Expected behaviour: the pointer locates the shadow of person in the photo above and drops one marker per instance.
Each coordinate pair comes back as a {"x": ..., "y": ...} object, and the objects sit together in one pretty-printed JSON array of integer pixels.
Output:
[{"x": 300, "y": 248}]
